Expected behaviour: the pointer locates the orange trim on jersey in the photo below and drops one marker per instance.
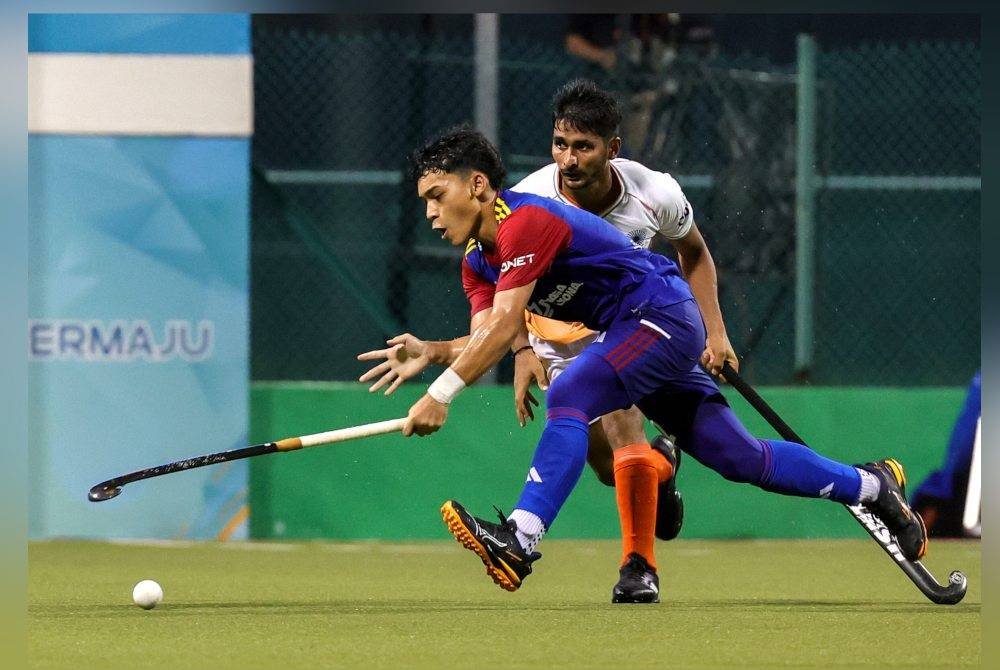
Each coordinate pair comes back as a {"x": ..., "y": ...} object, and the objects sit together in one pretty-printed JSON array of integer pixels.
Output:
[{"x": 557, "y": 332}]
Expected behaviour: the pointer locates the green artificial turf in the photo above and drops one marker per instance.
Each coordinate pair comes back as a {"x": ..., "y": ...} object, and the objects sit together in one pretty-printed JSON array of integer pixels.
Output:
[{"x": 764, "y": 604}]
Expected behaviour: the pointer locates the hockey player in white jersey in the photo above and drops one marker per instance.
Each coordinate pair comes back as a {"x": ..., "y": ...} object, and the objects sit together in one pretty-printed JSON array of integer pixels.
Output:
[{"x": 642, "y": 203}]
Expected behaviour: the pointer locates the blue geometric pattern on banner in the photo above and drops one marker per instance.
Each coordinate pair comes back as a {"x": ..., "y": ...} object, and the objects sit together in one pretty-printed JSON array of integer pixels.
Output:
[
  {"x": 138, "y": 295},
  {"x": 140, "y": 33}
]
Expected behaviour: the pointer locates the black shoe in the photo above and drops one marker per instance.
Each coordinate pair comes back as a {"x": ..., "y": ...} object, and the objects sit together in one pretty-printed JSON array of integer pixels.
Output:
[
  {"x": 495, "y": 543},
  {"x": 669, "y": 504},
  {"x": 637, "y": 582},
  {"x": 890, "y": 506}
]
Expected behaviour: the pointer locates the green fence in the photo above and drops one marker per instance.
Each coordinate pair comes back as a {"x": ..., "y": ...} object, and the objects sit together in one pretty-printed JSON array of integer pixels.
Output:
[
  {"x": 342, "y": 256},
  {"x": 390, "y": 487}
]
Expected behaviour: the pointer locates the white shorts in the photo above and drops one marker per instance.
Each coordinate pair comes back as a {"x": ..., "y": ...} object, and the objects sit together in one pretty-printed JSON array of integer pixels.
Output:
[{"x": 557, "y": 357}]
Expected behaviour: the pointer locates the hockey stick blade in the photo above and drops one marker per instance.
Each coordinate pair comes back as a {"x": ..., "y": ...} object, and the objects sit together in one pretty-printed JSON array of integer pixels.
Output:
[{"x": 921, "y": 577}]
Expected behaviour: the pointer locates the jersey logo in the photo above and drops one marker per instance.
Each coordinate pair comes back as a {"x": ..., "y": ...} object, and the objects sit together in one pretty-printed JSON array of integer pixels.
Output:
[
  {"x": 558, "y": 297},
  {"x": 638, "y": 237},
  {"x": 518, "y": 262}
]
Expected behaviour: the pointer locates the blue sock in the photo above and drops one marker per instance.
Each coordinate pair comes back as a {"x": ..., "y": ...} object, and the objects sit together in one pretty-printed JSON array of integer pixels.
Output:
[
  {"x": 797, "y": 470},
  {"x": 719, "y": 441},
  {"x": 587, "y": 389},
  {"x": 557, "y": 464}
]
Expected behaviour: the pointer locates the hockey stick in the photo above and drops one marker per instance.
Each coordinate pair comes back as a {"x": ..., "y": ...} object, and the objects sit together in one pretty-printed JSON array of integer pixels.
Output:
[
  {"x": 972, "y": 514},
  {"x": 949, "y": 594},
  {"x": 112, "y": 487}
]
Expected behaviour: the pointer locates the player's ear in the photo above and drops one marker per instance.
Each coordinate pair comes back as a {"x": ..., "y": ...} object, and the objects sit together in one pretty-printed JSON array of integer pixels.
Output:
[
  {"x": 614, "y": 146},
  {"x": 478, "y": 184}
]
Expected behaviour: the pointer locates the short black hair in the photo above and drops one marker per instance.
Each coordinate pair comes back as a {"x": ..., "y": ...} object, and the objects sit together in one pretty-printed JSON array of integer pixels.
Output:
[
  {"x": 458, "y": 149},
  {"x": 584, "y": 106}
]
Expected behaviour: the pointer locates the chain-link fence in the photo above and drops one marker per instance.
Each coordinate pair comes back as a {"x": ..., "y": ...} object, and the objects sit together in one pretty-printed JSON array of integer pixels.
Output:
[{"x": 342, "y": 256}]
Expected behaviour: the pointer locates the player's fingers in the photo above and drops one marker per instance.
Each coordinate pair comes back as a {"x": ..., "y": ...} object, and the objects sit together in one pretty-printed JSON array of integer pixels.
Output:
[
  {"x": 373, "y": 355},
  {"x": 398, "y": 339},
  {"x": 541, "y": 380},
  {"x": 386, "y": 378},
  {"x": 394, "y": 386},
  {"x": 408, "y": 428},
  {"x": 531, "y": 399},
  {"x": 375, "y": 372}
]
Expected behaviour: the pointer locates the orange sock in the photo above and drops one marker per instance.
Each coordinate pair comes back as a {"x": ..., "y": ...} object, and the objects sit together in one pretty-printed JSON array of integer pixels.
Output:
[
  {"x": 664, "y": 470},
  {"x": 636, "y": 481}
]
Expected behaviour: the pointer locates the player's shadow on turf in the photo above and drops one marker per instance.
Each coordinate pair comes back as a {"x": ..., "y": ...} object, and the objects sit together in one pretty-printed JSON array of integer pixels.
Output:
[
  {"x": 831, "y": 606},
  {"x": 411, "y": 607},
  {"x": 368, "y": 607}
]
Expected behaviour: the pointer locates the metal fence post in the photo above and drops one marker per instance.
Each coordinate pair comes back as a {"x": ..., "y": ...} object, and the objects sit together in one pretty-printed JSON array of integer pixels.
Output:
[
  {"x": 805, "y": 205},
  {"x": 487, "y": 95},
  {"x": 487, "y": 75}
]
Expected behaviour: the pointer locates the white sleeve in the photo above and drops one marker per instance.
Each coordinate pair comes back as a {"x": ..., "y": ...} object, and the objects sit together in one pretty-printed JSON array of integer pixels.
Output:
[{"x": 674, "y": 213}]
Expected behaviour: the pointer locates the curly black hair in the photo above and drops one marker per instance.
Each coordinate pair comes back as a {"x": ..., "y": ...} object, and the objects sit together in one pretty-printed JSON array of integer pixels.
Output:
[
  {"x": 584, "y": 106},
  {"x": 456, "y": 150}
]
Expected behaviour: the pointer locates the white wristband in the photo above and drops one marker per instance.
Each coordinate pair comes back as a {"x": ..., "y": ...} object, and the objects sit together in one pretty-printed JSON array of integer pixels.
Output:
[{"x": 446, "y": 387}]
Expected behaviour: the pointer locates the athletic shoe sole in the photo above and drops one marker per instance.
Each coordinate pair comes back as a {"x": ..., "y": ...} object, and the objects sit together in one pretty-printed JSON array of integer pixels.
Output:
[
  {"x": 501, "y": 577},
  {"x": 644, "y": 600}
]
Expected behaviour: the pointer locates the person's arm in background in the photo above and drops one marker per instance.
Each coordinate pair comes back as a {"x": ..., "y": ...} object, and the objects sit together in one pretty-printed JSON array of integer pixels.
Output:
[
  {"x": 699, "y": 270},
  {"x": 676, "y": 223},
  {"x": 581, "y": 47}
]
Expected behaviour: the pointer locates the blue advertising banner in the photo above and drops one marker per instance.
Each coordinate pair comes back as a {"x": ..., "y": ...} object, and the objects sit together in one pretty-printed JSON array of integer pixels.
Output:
[{"x": 138, "y": 290}]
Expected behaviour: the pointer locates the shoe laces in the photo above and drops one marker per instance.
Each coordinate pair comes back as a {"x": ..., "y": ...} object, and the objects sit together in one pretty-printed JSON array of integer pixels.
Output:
[
  {"x": 505, "y": 523},
  {"x": 636, "y": 564}
]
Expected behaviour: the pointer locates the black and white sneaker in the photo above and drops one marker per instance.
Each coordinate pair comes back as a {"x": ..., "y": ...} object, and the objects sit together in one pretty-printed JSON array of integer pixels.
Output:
[
  {"x": 669, "y": 503},
  {"x": 890, "y": 506},
  {"x": 495, "y": 543},
  {"x": 637, "y": 582}
]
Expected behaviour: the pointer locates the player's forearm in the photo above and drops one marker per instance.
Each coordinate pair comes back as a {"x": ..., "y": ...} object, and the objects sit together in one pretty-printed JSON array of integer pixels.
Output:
[
  {"x": 581, "y": 48},
  {"x": 445, "y": 352},
  {"x": 487, "y": 345},
  {"x": 701, "y": 276}
]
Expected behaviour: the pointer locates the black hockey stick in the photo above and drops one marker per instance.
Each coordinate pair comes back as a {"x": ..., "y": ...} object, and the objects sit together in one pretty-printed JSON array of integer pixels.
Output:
[
  {"x": 112, "y": 487},
  {"x": 941, "y": 594}
]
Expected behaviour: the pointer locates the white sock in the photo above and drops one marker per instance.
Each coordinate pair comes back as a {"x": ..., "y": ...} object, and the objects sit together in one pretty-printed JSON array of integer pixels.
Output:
[
  {"x": 530, "y": 528},
  {"x": 870, "y": 486}
]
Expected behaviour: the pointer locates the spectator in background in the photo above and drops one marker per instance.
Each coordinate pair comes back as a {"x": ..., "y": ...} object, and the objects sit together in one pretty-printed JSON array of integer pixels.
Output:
[
  {"x": 637, "y": 56},
  {"x": 940, "y": 499}
]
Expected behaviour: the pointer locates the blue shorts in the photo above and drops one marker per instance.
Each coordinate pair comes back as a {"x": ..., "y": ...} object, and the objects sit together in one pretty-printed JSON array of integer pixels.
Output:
[
  {"x": 657, "y": 349},
  {"x": 648, "y": 357}
]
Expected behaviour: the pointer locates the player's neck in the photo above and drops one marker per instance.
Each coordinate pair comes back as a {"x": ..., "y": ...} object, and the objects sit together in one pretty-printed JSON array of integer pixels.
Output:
[
  {"x": 597, "y": 197},
  {"x": 486, "y": 231}
]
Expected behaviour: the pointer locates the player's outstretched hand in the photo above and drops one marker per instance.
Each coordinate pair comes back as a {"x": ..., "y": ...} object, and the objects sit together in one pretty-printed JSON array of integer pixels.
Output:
[
  {"x": 425, "y": 417},
  {"x": 718, "y": 350},
  {"x": 405, "y": 358},
  {"x": 527, "y": 370}
]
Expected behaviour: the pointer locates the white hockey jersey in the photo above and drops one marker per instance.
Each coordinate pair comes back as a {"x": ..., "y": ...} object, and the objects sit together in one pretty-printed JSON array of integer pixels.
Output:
[{"x": 650, "y": 202}]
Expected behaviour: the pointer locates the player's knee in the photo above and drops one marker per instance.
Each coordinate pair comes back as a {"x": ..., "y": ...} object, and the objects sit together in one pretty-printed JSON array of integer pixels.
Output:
[
  {"x": 560, "y": 395},
  {"x": 624, "y": 427},
  {"x": 600, "y": 455},
  {"x": 605, "y": 472}
]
